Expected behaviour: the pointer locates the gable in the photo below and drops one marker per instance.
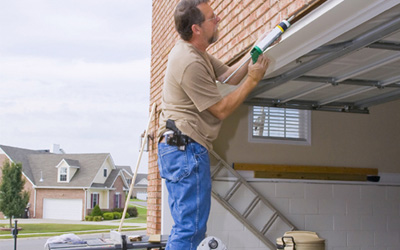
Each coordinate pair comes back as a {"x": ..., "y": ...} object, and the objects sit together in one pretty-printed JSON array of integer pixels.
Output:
[
  {"x": 66, "y": 170},
  {"x": 104, "y": 171}
]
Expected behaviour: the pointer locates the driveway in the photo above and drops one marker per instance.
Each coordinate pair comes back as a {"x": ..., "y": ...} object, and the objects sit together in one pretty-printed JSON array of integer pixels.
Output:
[{"x": 139, "y": 203}]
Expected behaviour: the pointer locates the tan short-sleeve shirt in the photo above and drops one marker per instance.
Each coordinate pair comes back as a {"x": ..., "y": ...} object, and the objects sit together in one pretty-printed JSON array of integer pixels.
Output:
[{"x": 189, "y": 90}]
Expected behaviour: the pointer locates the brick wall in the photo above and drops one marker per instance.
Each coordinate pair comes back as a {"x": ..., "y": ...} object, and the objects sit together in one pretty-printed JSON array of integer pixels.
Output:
[
  {"x": 242, "y": 22},
  {"x": 118, "y": 185}
]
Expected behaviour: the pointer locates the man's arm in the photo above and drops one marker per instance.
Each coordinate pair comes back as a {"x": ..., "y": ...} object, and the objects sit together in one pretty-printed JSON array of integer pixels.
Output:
[
  {"x": 229, "y": 103},
  {"x": 238, "y": 76}
]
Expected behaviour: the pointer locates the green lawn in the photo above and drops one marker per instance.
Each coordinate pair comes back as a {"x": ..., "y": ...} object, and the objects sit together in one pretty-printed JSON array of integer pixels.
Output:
[
  {"x": 142, "y": 214},
  {"x": 44, "y": 229}
]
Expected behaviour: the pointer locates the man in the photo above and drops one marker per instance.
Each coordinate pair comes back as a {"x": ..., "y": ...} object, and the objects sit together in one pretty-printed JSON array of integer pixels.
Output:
[{"x": 192, "y": 113}]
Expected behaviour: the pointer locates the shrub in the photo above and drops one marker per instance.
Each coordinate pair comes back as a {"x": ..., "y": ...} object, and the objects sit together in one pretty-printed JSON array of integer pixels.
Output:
[
  {"x": 117, "y": 215},
  {"x": 132, "y": 211},
  {"x": 118, "y": 209},
  {"x": 97, "y": 218},
  {"x": 88, "y": 218},
  {"x": 108, "y": 216},
  {"x": 96, "y": 211},
  {"x": 126, "y": 215}
]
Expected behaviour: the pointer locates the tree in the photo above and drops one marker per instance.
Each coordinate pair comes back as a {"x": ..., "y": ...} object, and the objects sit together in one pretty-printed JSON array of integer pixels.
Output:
[
  {"x": 96, "y": 211},
  {"x": 13, "y": 199}
]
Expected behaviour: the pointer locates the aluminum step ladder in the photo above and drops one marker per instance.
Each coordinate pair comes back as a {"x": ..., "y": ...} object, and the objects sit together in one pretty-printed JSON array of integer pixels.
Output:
[{"x": 253, "y": 210}]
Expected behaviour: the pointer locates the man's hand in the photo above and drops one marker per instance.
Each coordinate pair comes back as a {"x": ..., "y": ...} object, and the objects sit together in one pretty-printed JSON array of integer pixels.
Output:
[
  {"x": 229, "y": 103},
  {"x": 257, "y": 70}
]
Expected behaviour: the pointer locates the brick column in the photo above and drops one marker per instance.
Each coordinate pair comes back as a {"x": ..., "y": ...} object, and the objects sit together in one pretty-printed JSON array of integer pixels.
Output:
[{"x": 163, "y": 39}]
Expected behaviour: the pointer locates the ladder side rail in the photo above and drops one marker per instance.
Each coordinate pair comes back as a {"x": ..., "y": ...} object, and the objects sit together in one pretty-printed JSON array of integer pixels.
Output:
[
  {"x": 255, "y": 192},
  {"x": 239, "y": 217}
]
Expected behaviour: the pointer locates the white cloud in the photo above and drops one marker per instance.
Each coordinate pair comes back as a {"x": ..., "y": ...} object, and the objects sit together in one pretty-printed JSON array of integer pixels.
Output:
[{"x": 75, "y": 73}]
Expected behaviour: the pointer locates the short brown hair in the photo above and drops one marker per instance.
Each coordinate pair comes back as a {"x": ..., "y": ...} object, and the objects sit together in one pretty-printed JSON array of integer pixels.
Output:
[{"x": 186, "y": 14}]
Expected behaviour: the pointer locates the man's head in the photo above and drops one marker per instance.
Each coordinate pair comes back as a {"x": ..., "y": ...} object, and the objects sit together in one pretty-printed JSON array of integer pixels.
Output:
[{"x": 194, "y": 12}]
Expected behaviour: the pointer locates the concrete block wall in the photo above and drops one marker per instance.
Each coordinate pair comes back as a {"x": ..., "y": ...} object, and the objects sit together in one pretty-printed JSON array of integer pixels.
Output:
[
  {"x": 348, "y": 216},
  {"x": 242, "y": 22}
]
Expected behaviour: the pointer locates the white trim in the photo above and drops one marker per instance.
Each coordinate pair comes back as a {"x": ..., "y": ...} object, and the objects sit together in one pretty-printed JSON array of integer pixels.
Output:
[
  {"x": 59, "y": 187},
  {"x": 34, "y": 203},
  {"x": 327, "y": 22},
  {"x": 101, "y": 167},
  {"x": 85, "y": 202}
]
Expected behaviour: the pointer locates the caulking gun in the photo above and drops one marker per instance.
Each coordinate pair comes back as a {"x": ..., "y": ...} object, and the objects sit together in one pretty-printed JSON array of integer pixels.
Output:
[{"x": 265, "y": 43}]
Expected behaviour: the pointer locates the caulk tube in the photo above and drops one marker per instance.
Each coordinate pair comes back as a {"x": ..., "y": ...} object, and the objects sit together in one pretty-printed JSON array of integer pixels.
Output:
[{"x": 268, "y": 40}]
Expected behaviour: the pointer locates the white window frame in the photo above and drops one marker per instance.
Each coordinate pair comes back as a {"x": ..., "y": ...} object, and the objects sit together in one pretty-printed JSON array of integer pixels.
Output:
[
  {"x": 61, "y": 173},
  {"x": 92, "y": 199},
  {"x": 282, "y": 140},
  {"x": 105, "y": 172},
  {"x": 117, "y": 200}
]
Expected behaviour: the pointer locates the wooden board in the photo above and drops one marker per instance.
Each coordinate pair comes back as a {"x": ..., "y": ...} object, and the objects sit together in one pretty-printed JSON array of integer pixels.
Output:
[{"x": 307, "y": 172}]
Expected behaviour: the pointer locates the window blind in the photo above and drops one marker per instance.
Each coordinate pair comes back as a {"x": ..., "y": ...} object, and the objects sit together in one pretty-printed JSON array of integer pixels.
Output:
[{"x": 280, "y": 123}]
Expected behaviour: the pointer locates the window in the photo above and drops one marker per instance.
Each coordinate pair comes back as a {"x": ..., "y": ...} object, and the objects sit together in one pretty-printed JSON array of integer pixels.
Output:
[
  {"x": 117, "y": 200},
  {"x": 94, "y": 199},
  {"x": 105, "y": 172},
  {"x": 280, "y": 125},
  {"x": 63, "y": 174}
]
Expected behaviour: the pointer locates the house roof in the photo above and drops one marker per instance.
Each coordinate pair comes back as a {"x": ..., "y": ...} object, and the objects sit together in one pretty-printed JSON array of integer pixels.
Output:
[
  {"x": 110, "y": 180},
  {"x": 39, "y": 166},
  {"x": 141, "y": 180},
  {"x": 20, "y": 155},
  {"x": 43, "y": 167},
  {"x": 126, "y": 170}
]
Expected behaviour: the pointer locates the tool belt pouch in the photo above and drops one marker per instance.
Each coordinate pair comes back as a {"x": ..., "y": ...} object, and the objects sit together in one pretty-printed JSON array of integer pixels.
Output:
[{"x": 177, "y": 139}]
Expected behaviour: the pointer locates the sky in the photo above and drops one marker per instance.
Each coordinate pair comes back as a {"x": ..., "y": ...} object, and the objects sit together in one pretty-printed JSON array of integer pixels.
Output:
[{"x": 76, "y": 73}]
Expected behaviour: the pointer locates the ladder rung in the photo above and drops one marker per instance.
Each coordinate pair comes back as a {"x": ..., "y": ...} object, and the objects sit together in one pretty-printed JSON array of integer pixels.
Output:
[
  {"x": 217, "y": 169},
  {"x": 238, "y": 182},
  {"x": 269, "y": 223},
  {"x": 252, "y": 205},
  {"x": 231, "y": 191}
]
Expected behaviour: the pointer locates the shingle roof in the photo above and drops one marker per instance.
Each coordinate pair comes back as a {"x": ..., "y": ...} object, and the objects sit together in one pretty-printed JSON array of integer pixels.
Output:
[
  {"x": 72, "y": 163},
  {"x": 20, "y": 155},
  {"x": 39, "y": 164},
  {"x": 141, "y": 180},
  {"x": 126, "y": 168},
  {"x": 43, "y": 165}
]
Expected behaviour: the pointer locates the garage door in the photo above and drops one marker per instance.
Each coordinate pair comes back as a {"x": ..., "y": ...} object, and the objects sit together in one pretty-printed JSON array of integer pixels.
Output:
[{"x": 62, "y": 209}]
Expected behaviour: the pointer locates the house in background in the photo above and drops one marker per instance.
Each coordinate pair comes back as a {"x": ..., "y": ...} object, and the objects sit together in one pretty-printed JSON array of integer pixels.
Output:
[
  {"x": 68, "y": 186},
  {"x": 140, "y": 187}
]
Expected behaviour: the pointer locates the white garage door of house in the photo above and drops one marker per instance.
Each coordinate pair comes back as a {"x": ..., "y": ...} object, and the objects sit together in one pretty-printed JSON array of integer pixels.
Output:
[{"x": 62, "y": 209}]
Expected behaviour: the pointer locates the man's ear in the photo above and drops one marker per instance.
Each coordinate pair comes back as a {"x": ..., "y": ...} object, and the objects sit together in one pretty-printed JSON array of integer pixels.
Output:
[{"x": 195, "y": 29}]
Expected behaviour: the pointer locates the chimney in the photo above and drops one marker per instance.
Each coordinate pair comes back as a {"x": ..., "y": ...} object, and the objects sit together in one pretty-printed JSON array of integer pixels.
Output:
[{"x": 55, "y": 149}]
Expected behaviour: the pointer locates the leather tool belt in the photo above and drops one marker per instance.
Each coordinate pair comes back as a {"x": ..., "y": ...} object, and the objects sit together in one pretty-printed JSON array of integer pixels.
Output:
[{"x": 177, "y": 138}]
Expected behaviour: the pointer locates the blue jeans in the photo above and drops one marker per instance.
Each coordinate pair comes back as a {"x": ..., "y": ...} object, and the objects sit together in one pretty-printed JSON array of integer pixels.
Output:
[{"x": 188, "y": 180}]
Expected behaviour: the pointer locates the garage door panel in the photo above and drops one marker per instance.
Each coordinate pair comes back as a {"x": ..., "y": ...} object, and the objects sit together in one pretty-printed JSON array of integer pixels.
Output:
[{"x": 62, "y": 209}]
